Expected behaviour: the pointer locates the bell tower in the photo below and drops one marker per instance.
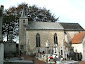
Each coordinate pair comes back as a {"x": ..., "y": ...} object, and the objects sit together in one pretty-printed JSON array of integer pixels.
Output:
[{"x": 23, "y": 20}]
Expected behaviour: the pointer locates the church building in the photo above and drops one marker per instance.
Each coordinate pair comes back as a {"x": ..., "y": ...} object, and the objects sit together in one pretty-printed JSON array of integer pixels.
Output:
[{"x": 35, "y": 37}]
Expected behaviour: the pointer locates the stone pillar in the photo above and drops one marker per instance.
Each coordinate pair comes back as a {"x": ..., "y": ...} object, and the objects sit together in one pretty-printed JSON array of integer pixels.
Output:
[
  {"x": 1, "y": 19},
  {"x": 1, "y": 39},
  {"x": 1, "y": 53}
]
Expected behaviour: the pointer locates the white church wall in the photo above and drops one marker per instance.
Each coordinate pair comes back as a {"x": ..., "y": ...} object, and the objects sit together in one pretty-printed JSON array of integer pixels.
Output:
[
  {"x": 78, "y": 48},
  {"x": 83, "y": 49}
]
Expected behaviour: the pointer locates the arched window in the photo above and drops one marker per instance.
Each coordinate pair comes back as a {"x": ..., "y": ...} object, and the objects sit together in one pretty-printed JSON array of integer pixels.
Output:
[
  {"x": 38, "y": 40},
  {"x": 55, "y": 39}
]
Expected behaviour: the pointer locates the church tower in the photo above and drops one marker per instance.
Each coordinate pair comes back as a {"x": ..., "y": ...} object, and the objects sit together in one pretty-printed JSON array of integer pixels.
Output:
[
  {"x": 1, "y": 19},
  {"x": 23, "y": 20}
]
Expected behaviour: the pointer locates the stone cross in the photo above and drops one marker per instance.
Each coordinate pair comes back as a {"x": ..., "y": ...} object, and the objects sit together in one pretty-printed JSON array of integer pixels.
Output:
[
  {"x": 1, "y": 17},
  {"x": 1, "y": 39}
]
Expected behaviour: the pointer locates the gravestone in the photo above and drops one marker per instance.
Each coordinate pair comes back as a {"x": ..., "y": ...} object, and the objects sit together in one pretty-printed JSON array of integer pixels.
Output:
[{"x": 1, "y": 39}]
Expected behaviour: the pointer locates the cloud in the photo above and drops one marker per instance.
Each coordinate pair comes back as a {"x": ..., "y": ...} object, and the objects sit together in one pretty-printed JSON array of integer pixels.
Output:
[{"x": 68, "y": 10}]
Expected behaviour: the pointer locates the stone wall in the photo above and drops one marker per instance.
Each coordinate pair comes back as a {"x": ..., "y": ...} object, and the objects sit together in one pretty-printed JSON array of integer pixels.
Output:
[
  {"x": 30, "y": 38},
  {"x": 44, "y": 36},
  {"x": 22, "y": 33},
  {"x": 70, "y": 35}
]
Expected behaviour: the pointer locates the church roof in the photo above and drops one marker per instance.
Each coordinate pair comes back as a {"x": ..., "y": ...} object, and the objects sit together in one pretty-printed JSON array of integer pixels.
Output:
[
  {"x": 53, "y": 25},
  {"x": 43, "y": 25},
  {"x": 71, "y": 26},
  {"x": 77, "y": 39}
]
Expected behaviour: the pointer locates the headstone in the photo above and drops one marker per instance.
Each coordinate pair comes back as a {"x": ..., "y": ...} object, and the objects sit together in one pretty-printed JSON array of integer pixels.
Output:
[{"x": 1, "y": 53}]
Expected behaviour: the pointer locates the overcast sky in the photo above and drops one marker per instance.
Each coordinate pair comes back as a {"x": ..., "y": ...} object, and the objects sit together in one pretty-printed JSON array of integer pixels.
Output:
[{"x": 67, "y": 10}]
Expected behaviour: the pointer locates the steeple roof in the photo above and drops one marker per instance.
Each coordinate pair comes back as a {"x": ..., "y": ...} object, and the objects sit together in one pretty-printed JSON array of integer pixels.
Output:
[{"x": 23, "y": 14}]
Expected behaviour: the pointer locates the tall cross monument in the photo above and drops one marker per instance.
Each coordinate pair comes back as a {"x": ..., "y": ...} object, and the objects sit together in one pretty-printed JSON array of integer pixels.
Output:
[
  {"x": 1, "y": 19},
  {"x": 1, "y": 39}
]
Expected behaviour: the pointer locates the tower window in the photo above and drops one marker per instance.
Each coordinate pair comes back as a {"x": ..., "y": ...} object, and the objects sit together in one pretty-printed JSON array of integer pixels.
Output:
[
  {"x": 23, "y": 21},
  {"x": 38, "y": 40},
  {"x": 55, "y": 39}
]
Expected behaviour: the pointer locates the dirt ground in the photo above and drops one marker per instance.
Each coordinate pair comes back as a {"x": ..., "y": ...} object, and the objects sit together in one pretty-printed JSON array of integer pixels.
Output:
[
  {"x": 81, "y": 62},
  {"x": 32, "y": 58},
  {"x": 42, "y": 62}
]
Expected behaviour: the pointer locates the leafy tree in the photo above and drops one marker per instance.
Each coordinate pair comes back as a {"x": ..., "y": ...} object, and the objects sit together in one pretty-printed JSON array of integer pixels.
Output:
[{"x": 11, "y": 18}]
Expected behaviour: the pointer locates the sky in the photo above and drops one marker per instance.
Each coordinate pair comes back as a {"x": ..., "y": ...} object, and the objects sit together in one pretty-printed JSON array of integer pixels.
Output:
[{"x": 72, "y": 11}]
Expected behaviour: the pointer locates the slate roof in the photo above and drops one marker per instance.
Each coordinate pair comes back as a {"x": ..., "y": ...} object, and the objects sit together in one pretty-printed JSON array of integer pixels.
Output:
[
  {"x": 53, "y": 25},
  {"x": 71, "y": 26},
  {"x": 43, "y": 25},
  {"x": 77, "y": 39}
]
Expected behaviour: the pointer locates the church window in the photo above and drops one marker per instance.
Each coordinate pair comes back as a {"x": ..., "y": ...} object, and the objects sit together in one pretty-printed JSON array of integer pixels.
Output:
[
  {"x": 55, "y": 39},
  {"x": 38, "y": 40}
]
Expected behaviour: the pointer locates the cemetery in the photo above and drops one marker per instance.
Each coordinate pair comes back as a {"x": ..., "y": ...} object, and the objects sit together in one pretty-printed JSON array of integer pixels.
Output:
[{"x": 50, "y": 42}]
